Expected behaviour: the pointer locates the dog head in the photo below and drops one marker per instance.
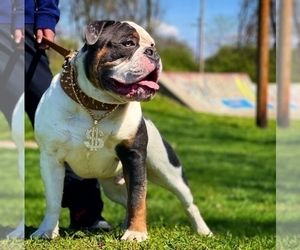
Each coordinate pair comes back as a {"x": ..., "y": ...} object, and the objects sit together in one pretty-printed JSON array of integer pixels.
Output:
[{"x": 120, "y": 59}]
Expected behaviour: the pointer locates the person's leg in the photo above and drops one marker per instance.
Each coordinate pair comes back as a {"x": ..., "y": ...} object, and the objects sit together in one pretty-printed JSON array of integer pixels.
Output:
[
  {"x": 83, "y": 198},
  {"x": 84, "y": 202},
  {"x": 38, "y": 75},
  {"x": 11, "y": 73}
]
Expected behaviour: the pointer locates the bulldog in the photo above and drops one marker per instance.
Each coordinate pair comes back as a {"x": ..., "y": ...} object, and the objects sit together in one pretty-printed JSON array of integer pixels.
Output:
[{"x": 91, "y": 119}]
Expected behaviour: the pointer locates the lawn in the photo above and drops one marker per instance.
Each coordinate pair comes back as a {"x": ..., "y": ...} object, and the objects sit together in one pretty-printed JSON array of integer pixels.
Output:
[
  {"x": 11, "y": 187},
  {"x": 230, "y": 165}
]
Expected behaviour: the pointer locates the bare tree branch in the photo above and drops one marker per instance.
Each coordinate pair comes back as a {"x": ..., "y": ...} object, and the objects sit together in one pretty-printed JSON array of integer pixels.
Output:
[
  {"x": 144, "y": 12},
  {"x": 296, "y": 10},
  {"x": 248, "y": 22}
]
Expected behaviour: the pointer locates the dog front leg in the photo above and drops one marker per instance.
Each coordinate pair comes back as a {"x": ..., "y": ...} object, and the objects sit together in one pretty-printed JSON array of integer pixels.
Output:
[
  {"x": 135, "y": 177},
  {"x": 53, "y": 175},
  {"x": 133, "y": 157}
]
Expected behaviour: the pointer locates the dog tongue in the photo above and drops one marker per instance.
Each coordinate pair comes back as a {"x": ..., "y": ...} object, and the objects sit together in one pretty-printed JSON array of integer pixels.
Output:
[{"x": 149, "y": 84}]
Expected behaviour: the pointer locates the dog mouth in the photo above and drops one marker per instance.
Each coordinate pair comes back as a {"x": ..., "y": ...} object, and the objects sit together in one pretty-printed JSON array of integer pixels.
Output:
[{"x": 141, "y": 90}]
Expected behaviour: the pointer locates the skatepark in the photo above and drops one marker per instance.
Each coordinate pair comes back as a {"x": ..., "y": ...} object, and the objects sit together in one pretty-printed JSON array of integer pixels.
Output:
[{"x": 231, "y": 94}]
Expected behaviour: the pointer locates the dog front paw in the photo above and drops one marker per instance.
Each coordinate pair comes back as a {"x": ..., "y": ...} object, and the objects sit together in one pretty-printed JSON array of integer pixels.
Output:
[
  {"x": 210, "y": 234},
  {"x": 18, "y": 233},
  {"x": 134, "y": 235},
  {"x": 45, "y": 234}
]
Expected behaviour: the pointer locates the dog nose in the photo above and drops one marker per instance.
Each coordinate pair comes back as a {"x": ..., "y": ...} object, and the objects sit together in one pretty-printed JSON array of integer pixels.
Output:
[{"x": 152, "y": 54}]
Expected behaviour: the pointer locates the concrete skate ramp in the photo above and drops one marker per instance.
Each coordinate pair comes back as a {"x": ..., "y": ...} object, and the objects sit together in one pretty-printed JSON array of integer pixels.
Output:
[{"x": 221, "y": 93}]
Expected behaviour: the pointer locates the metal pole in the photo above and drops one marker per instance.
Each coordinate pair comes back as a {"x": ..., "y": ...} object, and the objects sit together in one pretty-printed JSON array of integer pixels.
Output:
[
  {"x": 201, "y": 37},
  {"x": 284, "y": 62},
  {"x": 263, "y": 63}
]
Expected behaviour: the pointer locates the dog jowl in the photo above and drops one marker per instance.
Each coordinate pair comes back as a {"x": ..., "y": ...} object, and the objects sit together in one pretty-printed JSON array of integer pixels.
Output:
[{"x": 91, "y": 119}]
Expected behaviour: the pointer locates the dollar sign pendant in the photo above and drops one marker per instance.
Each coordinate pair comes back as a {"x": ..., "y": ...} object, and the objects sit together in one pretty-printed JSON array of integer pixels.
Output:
[{"x": 93, "y": 134}]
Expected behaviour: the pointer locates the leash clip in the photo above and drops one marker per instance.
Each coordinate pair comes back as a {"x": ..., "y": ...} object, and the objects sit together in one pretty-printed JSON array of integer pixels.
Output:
[
  {"x": 66, "y": 53},
  {"x": 68, "y": 57}
]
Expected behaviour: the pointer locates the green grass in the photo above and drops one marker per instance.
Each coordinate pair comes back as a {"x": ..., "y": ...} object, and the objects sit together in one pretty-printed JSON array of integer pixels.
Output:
[
  {"x": 230, "y": 165},
  {"x": 11, "y": 187},
  {"x": 4, "y": 128},
  {"x": 288, "y": 188},
  {"x": 11, "y": 190}
]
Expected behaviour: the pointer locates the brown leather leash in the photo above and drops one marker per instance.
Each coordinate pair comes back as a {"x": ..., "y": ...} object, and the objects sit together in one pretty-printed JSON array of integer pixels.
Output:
[
  {"x": 61, "y": 50},
  {"x": 66, "y": 53}
]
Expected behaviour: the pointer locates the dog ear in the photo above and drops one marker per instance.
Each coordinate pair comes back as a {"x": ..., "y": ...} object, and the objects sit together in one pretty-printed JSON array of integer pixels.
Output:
[{"x": 94, "y": 30}]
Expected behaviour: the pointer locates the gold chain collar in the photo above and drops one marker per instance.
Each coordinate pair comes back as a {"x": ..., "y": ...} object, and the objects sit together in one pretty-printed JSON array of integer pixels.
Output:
[{"x": 71, "y": 87}]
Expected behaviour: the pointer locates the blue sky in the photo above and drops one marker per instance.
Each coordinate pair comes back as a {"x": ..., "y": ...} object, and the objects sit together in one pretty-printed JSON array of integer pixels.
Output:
[
  {"x": 181, "y": 16},
  {"x": 180, "y": 19}
]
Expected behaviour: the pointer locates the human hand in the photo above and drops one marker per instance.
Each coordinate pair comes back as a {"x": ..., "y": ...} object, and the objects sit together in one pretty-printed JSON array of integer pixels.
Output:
[
  {"x": 48, "y": 33},
  {"x": 18, "y": 37}
]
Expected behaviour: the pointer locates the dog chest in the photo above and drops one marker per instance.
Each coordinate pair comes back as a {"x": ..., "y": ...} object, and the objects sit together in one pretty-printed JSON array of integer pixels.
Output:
[{"x": 88, "y": 164}]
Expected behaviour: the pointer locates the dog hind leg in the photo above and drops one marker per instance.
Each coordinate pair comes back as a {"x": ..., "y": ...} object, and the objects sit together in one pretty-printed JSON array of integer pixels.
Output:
[
  {"x": 164, "y": 169},
  {"x": 117, "y": 192},
  {"x": 178, "y": 186}
]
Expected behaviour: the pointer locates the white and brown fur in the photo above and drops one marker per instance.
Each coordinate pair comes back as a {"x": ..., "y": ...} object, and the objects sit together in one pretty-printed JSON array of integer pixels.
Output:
[{"x": 132, "y": 144}]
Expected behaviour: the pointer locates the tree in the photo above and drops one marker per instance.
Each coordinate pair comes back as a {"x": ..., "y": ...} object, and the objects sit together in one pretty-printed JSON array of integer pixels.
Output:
[
  {"x": 296, "y": 17},
  {"x": 235, "y": 59},
  {"x": 175, "y": 55},
  {"x": 220, "y": 32},
  {"x": 248, "y": 22},
  {"x": 144, "y": 12}
]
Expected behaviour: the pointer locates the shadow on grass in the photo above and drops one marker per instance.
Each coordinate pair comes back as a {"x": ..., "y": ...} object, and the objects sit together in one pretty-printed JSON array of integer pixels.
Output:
[
  {"x": 69, "y": 232},
  {"x": 240, "y": 228},
  {"x": 4, "y": 231},
  {"x": 234, "y": 228}
]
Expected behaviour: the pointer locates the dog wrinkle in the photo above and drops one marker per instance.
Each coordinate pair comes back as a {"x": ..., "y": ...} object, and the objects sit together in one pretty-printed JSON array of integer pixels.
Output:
[
  {"x": 111, "y": 64},
  {"x": 98, "y": 57},
  {"x": 93, "y": 71}
]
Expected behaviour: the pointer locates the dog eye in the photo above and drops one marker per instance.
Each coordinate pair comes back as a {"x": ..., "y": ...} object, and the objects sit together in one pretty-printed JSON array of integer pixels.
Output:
[{"x": 128, "y": 43}]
